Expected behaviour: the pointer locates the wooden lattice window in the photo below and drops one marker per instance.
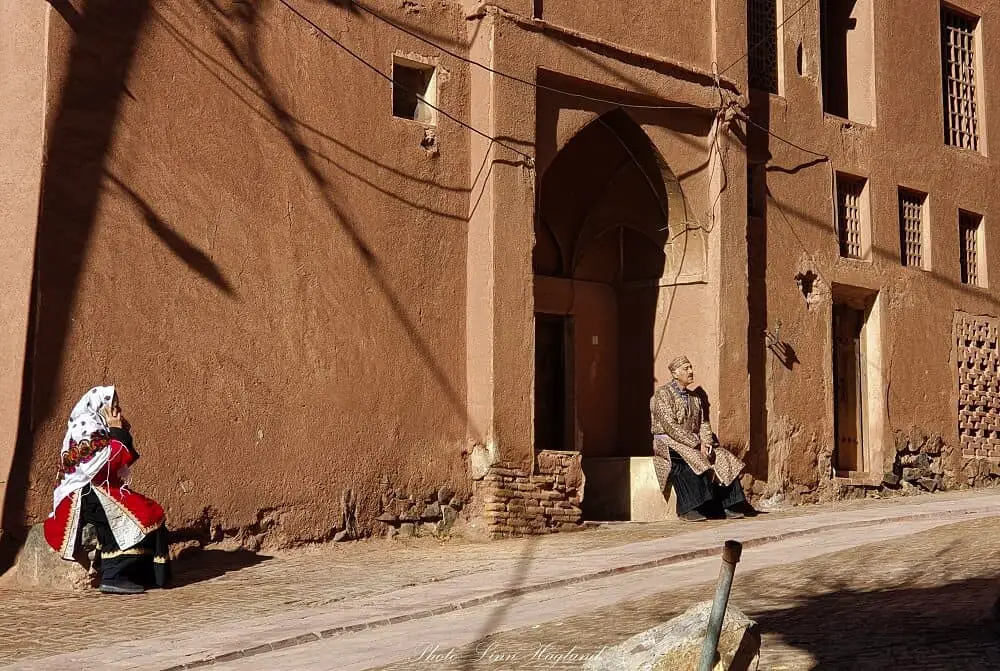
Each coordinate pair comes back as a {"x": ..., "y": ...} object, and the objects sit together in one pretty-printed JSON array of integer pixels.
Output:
[
  {"x": 762, "y": 41},
  {"x": 850, "y": 216},
  {"x": 969, "y": 242},
  {"x": 958, "y": 64},
  {"x": 911, "y": 228}
]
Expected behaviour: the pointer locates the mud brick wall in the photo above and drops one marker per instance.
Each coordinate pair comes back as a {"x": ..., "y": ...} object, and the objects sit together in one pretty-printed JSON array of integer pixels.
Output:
[
  {"x": 978, "y": 387},
  {"x": 519, "y": 503}
]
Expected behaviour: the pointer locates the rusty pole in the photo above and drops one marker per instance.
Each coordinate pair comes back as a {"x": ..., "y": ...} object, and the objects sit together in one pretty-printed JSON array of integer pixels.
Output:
[{"x": 731, "y": 552}]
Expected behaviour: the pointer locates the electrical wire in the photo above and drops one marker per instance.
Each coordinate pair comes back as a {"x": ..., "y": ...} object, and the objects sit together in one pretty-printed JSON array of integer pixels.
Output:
[
  {"x": 778, "y": 137},
  {"x": 528, "y": 157},
  {"x": 515, "y": 78},
  {"x": 543, "y": 87},
  {"x": 552, "y": 89}
]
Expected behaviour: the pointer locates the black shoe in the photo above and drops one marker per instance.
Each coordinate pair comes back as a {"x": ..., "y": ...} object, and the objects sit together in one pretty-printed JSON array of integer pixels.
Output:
[
  {"x": 693, "y": 516},
  {"x": 732, "y": 514},
  {"x": 120, "y": 587}
]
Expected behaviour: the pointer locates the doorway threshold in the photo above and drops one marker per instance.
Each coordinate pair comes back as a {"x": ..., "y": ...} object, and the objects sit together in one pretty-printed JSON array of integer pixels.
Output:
[{"x": 857, "y": 479}]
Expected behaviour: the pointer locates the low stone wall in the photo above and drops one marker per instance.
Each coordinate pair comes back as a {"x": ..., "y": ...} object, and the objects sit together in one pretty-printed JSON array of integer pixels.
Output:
[
  {"x": 516, "y": 502},
  {"x": 408, "y": 515},
  {"x": 921, "y": 461}
]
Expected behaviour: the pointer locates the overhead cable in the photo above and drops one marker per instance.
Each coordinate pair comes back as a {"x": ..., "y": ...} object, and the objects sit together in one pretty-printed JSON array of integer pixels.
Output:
[
  {"x": 753, "y": 123},
  {"x": 528, "y": 157},
  {"x": 765, "y": 40},
  {"x": 521, "y": 80}
]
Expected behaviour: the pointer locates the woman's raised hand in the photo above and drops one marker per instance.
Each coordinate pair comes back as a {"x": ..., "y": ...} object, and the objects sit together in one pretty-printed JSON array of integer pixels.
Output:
[{"x": 113, "y": 416}]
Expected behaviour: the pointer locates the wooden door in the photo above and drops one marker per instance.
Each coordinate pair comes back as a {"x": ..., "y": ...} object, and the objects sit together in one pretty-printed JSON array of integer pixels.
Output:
[
  {"x": 848, "y": 388},
  {"x": 553, "y": 390}
]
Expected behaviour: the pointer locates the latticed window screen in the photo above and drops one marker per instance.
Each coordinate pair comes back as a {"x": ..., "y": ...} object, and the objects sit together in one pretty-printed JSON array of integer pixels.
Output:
[
  {"x": 958, "y": 63},
  {"x": 911, "y": 228},
  {"x": 849, "y": 214},
  {"x": 968, "y": 229},
  {"x": 762, "y": 41}
]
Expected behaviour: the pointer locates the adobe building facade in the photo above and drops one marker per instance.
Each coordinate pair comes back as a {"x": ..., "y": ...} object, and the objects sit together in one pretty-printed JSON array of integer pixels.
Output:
[{"x": 328, "y": 302}]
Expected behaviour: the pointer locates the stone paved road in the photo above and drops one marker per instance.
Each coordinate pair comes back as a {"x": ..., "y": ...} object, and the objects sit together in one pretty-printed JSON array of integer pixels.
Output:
[
  {"x": 217, "y": 585},
  {"x": 234, "y": 588},
  {"x": 556, "y": 628},
  {"x": 917, "y": 602}
]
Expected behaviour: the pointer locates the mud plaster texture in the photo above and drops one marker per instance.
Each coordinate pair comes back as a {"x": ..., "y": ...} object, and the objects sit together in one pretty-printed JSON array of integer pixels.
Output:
[
  {"x": 299, "y": 294},
  {"x": 237, "y": 233},
  {"x": 796, "y": 273}
]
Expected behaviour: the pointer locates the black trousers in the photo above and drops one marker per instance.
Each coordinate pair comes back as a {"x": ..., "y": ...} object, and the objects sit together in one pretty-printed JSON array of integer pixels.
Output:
[
  {"x": 147, "y": 563},
  {"x": 694, "y": 491}
]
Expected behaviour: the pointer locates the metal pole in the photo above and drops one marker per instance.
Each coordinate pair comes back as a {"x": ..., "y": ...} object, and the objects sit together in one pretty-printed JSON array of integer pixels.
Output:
[{"x": 731, "y": 552}]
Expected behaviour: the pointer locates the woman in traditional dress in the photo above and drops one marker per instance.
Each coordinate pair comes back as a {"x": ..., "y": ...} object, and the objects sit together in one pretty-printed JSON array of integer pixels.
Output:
[{"x": 93, "y": 488}]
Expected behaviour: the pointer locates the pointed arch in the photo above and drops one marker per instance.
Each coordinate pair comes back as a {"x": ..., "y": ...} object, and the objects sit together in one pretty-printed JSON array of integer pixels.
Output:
[{"x": 608, "y": 186}]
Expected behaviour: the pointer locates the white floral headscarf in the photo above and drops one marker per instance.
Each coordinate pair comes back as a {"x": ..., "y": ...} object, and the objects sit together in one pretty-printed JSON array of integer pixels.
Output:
[{"x": 84, "y": 421}]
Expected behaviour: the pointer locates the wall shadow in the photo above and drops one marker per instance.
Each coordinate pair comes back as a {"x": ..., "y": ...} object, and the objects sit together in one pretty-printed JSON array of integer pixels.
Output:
[
  {"x": 247, "y": 93},
  {"x": 238, "y": 30},
  {"x": 944, "y": 627},
  {"x": 195, "y": 259},
  {"x": 756, "y": 141},
  {"x": 194, "y": 565},
  {"x": 106, "y": 35}
]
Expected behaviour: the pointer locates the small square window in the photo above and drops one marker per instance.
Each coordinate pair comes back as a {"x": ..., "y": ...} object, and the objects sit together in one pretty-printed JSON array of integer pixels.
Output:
[
  {"x": 852, "y": 216},
  {"x": 913, "y": 247},
  {"x": 972, "y": 255},
  {"x": 414, "y": 90}
]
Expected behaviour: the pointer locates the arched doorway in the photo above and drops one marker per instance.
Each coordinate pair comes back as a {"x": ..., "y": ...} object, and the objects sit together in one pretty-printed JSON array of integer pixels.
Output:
[{"x": 604, "y": 221}]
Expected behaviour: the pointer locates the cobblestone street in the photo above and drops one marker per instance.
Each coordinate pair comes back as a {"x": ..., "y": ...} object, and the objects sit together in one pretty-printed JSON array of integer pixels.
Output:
[
  {"x": 920, "y": 602},
  {"x": 236, "y": 600}
]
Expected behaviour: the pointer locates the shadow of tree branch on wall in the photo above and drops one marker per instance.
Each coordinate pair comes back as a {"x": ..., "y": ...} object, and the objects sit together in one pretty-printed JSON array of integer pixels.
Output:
[
  {"x": 247, "y": 93},
  {"x": 184, "y": 250},
  {"x": 239, "y": 33},
  {"x": 69, "y": 14},
  {"x": 106, "y": 35}
]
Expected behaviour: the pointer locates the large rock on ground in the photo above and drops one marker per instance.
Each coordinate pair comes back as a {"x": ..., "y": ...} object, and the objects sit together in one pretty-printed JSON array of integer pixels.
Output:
[
  {"x": 676, "y": 645},
  {"x": 39, "y": 567}
]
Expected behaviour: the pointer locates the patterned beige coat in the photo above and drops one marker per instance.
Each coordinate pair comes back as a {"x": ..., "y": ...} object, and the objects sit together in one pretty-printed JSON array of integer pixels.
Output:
[{"x": 680, "y": 424}]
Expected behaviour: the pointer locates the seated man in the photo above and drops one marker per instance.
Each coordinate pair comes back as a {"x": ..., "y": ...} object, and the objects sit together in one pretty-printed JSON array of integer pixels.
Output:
[{"x": 685, "y": 449}]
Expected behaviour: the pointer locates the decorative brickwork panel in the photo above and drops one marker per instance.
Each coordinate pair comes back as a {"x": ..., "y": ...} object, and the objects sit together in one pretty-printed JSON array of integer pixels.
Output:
[{"x": 978, "y": 386}]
